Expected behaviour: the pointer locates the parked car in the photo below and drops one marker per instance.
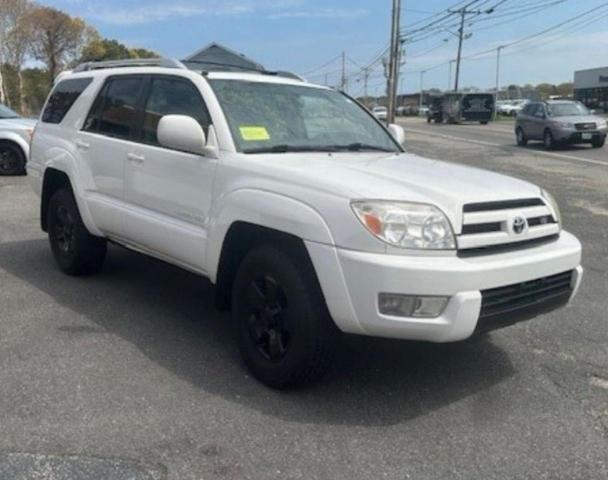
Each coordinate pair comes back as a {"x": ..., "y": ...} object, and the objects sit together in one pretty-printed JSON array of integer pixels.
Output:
[
  {"x": 15, "y": 134},
  {"x": 510, "y": 107},
  {"x": 381, "y": 113},
  {"x": 423, "y": 111},
  {"x": 560, "y": 122},
  {"x": 462, "y": 107},
  {"x": 299, "y": 206}
]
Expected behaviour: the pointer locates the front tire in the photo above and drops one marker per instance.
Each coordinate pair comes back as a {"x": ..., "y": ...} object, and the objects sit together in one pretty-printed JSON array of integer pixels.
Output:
[
  {"x": 285, "y": 334},
  {"x": 598, "y": 143},
  {"x": 522, "y": 141},
  {"x": 12, "y": 159},
  {"x": 75, "y": 250},
  {"x": 548, "y": 140}
]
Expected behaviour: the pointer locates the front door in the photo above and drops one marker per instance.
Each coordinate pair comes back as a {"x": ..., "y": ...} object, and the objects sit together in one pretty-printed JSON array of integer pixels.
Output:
[
  {"x": 537, "y": 122},
  {"x": 168, "y": 193}
]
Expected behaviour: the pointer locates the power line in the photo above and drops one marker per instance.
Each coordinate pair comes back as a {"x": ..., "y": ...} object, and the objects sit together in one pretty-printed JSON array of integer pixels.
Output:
[
  {"x": 321, "y": 67},
  {"x": 528, "y": 38}
]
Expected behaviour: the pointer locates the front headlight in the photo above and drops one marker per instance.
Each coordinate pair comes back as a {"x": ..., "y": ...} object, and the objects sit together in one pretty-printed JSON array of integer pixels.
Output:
[
  {"x": 602, "y": 124},
  {"x": 554, "y": 206},
  {"x": 406, "y": 225},
  {"x": 566, "y": 125}
]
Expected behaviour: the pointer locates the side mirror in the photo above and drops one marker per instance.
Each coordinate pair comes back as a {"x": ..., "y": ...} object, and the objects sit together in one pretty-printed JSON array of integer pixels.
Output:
[
  {"x": 593, "y": 112},
  {"x": 397, "y": 132},
  {"x": 181, "y": 132}
]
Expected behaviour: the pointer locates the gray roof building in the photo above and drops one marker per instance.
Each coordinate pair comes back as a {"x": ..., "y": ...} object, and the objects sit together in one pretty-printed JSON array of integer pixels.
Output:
[{"x": 218, "y": 57}]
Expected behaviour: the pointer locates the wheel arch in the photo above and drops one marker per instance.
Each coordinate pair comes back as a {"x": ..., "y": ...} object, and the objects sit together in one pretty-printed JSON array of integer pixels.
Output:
[
  {"x": 17, "y": 140},
  {"x": 53, "y": 181},
  {"x": 249, "y": 218}
]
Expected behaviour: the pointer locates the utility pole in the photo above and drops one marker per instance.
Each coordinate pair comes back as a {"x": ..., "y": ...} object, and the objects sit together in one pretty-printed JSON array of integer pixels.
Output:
[
  {"x": 498, "y": 50},
  {"x": 366, "y": 72},
  {"x": 343, "y": 79},
  {"x": 461, "y": 37},
  {"x": 421, "y": 89},
  {"x": 394, "y": 61},
  {"x": 463, "y": 14},
  {"x": 450, "y": 74}
]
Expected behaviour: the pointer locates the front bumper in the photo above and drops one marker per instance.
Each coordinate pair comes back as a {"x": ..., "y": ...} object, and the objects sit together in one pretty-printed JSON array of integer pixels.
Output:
[
  {"x": 351, "y": 282},
  {"x": 578, "y": 136}
]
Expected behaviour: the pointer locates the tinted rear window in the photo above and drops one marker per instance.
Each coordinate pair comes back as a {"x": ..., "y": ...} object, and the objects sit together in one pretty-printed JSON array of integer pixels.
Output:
[{"x": 63, "y": 97}]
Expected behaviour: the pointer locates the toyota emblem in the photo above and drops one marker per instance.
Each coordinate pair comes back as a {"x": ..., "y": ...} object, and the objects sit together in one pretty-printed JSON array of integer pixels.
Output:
[{"x": 519, "y": 225}]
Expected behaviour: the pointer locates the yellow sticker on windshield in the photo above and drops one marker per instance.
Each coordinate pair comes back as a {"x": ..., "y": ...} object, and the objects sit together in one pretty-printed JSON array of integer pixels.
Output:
[{"x": 254, "y": 133}]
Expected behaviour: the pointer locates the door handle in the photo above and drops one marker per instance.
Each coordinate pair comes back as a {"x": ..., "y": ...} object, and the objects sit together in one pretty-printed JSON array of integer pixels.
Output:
[
  {"x": 82, "y": 145},
  {"x": 135, "y": 158}
]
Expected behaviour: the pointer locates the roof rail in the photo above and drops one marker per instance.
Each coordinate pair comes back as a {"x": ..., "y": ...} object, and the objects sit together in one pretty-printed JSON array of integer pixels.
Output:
[{"x": 135, "y": 62}]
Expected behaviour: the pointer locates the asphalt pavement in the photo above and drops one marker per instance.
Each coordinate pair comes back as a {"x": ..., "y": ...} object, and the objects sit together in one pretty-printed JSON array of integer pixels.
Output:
[{"x": 134, "y": 373}]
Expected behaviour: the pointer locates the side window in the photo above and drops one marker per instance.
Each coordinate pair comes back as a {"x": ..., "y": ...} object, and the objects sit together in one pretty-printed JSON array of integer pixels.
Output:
[
  {"x": 63, "y": 97},
  {"x": 114, "y": 110},
  {"x": 540, "y": 111},
  {"x": 172, "y": 96}
]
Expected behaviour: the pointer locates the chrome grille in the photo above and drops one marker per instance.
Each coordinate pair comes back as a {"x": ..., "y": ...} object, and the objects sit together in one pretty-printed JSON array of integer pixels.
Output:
[
  {"x": 586, "y": 126},
  {"x": 492, "y": 226}
]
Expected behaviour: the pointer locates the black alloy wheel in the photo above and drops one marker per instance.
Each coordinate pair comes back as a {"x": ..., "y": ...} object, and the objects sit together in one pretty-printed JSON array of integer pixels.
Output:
[
  {"x": 75, "y": 250},
  {"x": 12, "y": 159},
  {"x": 64, "y": 230},
  {"x": 285, "y": 333},
  {"x": 267, "y": 304}
]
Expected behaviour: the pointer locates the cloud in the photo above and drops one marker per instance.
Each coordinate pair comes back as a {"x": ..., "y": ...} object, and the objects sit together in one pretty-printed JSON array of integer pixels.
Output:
[
  {"x": 143, "y": 12},
  {"x": 325, "y": 13}
]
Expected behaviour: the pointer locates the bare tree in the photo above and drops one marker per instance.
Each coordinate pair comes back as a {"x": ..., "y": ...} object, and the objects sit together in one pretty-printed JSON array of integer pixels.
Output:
[
  {"x": 17, "y": 34},
  {"x": 57, "y": 38}
]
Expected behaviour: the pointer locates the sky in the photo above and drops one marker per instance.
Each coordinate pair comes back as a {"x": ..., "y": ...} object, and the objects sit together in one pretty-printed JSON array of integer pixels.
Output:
[{"x": 308, "y": 36}]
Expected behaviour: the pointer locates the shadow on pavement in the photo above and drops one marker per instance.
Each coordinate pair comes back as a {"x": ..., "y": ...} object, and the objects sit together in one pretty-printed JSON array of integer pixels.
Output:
[{"x": 169, "y": 315}]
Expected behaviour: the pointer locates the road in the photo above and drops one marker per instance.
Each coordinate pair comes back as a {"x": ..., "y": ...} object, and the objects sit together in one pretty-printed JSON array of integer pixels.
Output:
[
  {"x": 134, "y": 374},
  {"x": 501, "y": 135}
]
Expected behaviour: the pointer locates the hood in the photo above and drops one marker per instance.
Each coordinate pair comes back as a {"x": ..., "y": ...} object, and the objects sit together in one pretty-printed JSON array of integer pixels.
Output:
[
  {"x": 403, "y": 177},
  {"x": 17, "y": 123},
  {"x": 579, "y": 119}
]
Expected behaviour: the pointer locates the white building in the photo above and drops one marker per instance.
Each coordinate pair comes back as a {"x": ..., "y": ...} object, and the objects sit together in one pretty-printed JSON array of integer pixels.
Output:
[{"x": 591, "y": 88}]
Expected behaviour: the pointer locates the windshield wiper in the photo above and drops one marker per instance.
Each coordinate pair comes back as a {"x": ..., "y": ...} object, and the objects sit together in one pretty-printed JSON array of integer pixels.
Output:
[
  {"x": 358, "y": 146},
  {"x": 291, "y": 148}
]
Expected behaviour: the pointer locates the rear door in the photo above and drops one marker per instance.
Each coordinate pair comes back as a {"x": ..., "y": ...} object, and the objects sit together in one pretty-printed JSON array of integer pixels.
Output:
[
  {"x": 524, "y": 119},
  {"x": 104, "y": 142},
  {"x": 169, "y": 192}
]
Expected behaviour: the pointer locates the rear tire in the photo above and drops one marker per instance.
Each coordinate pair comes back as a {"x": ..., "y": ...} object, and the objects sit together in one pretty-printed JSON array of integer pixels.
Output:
[
  {"x": 522, "y": 141},
  {"x": 548, "y": 140},
  {"x": 12, "y": 159},
  {"x": 598, "y": 143},
  {"x": 75, "y": 250},
  {"x": 484, "y": 123},
  {"x": 285, "y": 334}
]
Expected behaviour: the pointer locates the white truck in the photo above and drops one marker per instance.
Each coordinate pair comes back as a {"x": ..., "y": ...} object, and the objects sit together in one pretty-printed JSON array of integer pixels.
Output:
[{"x": 300, "y": 206}]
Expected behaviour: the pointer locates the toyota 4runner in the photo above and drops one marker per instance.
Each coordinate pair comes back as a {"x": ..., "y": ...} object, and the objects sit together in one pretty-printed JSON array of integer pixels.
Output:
[{"x": 301, "y": 207}]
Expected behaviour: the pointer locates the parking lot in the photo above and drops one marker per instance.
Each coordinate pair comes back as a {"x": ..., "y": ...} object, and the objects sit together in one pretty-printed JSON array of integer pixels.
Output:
[{"x": 137, "y": 367}]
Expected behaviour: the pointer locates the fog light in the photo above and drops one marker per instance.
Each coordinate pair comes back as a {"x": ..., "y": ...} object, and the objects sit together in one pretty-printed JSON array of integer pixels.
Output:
[{"x": 398, "y": 305}]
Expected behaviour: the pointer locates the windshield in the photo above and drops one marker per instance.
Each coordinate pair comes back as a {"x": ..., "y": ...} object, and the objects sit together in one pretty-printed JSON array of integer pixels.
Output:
[
  {"x": 6, "y": 112},
  {"x": 270, "y": 117},
  {"x": 567, "y": 109}
]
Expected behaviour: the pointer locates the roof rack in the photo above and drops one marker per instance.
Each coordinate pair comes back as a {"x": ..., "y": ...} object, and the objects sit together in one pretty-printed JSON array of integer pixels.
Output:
[{"x": 136, "y": 62}]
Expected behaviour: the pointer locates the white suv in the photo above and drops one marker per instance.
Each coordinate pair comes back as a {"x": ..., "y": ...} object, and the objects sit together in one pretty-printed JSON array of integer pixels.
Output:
[{"x": 298, "y": 205}]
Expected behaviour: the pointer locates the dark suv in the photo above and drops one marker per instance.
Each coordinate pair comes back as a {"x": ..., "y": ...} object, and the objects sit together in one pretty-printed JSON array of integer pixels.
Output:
[{"x": 560, "y": 122}]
